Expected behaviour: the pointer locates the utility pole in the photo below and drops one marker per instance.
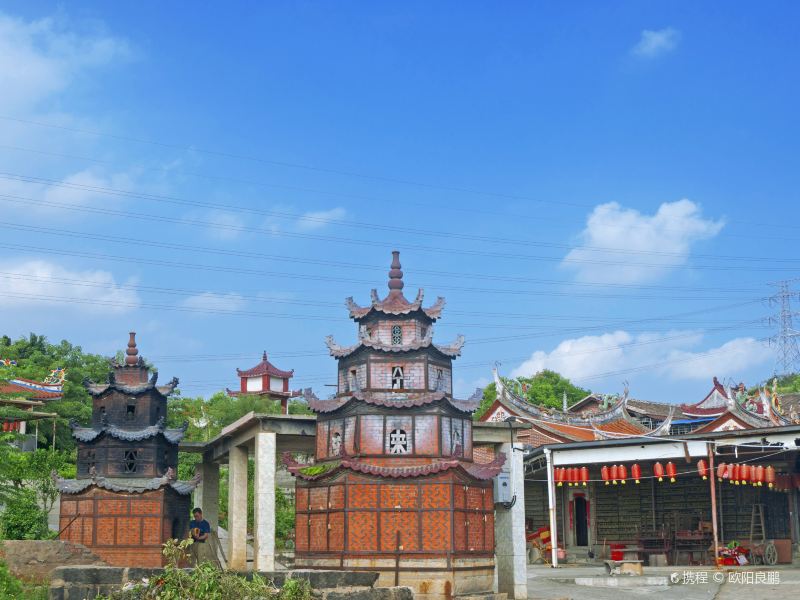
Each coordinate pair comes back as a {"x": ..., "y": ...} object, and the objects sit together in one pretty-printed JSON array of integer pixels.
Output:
[{"x": 787, "y": 359}]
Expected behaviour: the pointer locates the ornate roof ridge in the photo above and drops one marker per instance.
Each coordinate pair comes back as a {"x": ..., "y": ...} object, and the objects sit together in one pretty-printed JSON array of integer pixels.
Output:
[
  {"x": 264, "y": 368},
  {"x": 403, "y": 400},
  {"x": 89, "y": 434},
  {"x": 130, "y": 485},
  {"x": 97, "y": 389},
  {"x": 338, "y": 351},
  {"x": 477, "y": 470},
  {"x": 557, "y": 416}
]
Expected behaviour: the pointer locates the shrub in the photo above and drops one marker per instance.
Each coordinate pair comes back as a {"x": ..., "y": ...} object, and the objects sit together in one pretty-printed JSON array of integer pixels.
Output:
[
  {"x": 23, "y": 519},
  {"x": 10, "y": 586}
]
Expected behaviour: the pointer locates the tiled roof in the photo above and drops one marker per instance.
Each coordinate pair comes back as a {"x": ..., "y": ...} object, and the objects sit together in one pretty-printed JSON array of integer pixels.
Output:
[
  {"x": 265, "y": 368},
  {"x": 97, "y": 389},
  {"x": 89, "y": 434},
  {"x": 32, "y": 389},
  {"x": 452, "y": 350},
  {"x": 390, "y": 399},
  {"x": 129, "y": 485},
  {"x": 395, "y": 303},
  {"x": 476, "y": 470}
]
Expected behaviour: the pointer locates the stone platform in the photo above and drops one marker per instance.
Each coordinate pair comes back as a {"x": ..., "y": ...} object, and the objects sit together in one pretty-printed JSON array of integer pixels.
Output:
[{"x": 86, "y": 582}]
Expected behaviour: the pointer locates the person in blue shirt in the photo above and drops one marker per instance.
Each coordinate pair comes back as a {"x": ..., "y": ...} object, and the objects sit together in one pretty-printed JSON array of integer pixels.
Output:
[{"x": 200, "y": 530}]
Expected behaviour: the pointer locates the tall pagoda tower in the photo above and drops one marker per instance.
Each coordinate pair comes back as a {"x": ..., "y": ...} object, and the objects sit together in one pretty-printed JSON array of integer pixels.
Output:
[
  {"x": 394, "y": 487},
  {"x": 126, "y": 501}
]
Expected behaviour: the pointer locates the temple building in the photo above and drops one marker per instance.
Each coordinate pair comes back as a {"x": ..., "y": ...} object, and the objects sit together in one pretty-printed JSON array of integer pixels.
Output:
[
  {"x": 265, "y": 379},
  {"x": 394, "y": 487},
  {"x": 26, "y": 398},
  {"x": 612, "y": 472},
  {"x": 126, "y": 500}
]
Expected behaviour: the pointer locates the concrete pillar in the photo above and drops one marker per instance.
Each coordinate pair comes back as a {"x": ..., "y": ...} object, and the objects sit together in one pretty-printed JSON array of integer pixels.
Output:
[
  {"x": 512, "y": 575},
  {"x": 264, "y": 505},
  {"x": 237, "y": 508},
  {"x": 207, "y": 493}
]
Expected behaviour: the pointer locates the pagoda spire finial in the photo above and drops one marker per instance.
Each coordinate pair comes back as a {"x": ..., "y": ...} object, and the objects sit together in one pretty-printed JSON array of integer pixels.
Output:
[
  {"x": 264, "y": 356},
  {"x": 395, "y": 274},
  {"x": 132, "y": 351}
]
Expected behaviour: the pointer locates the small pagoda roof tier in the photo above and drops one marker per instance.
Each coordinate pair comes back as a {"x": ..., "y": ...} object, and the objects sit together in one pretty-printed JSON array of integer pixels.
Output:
[
  {"x": 264, "y": 368},
  {"x": 395, "y": 302},
  {"x": 391, "y": 400},
  {"x": 482, "y": 471},
  {"x": 130, "y": 486},
  {"x": 451, "y": 350},
  {"x": 90, "y": 434},
  {"x": 98, "y": 389},
  {"x": 559, "y": 425}
]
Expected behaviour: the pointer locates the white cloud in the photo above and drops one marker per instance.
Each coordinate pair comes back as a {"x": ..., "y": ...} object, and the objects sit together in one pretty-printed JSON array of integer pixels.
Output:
[
  {"x": 653, "y": 44},
  {"x": 225, "y": 225},
  {"x": 670, "y": 354},
  {"x": 38, "y": 283},
  {"x": 319, "y": 219},
  {"x": 654, "y": 245},
  {"x": 40, "y": 59},
  {"x": 212, "y": 302}
]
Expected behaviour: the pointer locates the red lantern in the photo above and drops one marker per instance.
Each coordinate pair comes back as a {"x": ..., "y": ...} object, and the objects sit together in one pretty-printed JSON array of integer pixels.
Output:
[
  {"x": 636, "y": 472},
  {"x": 585, "y": 476},
  {"x": 758, "y": 475},
  {"x": 769, "y": 476},
  {"x": 729, "y": 473},
  {"x": 736, "y": 474},
  {"x": 558, "y": 476},
  {"x": 722, "y": 469},
  {"x": 604, "y": 473},
  {"x": 574, "y": 476},
  {"x": 702, "y": 470},
  {"x": 623, "y": 473},
  {"x": 671, "y": 471},
  {"x": 658, "y": 471},
  {"x": 744, "y": 474},
  {"x": 614, "y": 474}
]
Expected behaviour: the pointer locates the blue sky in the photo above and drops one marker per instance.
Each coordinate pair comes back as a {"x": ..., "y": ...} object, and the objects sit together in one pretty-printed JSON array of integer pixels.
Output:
[{"x": 605, "y": 189}]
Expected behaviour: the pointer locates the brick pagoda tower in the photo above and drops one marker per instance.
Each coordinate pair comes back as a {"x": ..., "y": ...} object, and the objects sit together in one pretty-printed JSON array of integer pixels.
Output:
[
  {"x": 394, "y": 488},
  {"x": 126, "y": 501}
]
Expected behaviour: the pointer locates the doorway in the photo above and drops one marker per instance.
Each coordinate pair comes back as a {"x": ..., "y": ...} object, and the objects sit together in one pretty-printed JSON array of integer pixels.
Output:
[{"x": 581, "y": 522}]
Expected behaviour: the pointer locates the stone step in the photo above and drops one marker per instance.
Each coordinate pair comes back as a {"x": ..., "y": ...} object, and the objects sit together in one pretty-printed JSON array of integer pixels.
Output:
[{"x": 486, "y": 596}]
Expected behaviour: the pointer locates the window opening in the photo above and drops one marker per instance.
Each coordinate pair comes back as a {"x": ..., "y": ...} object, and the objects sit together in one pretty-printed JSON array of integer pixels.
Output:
[
  {"x": 439, "y": 380},
  {"x": 456, "y": 441},
  {"x": 130, "y": 460},
  {"x": 131, "y": 411},
  {"x": 398, "y": 382},
  {"x": 398, "y": 442},
  {"x": 336, "y": 444},
  {"x": 397, "y": 335},
  {"x": 353, "y": 381}
]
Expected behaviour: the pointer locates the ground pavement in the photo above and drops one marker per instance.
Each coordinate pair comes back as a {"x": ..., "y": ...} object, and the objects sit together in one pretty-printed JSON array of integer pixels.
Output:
[{"x": 545, "y": 583}]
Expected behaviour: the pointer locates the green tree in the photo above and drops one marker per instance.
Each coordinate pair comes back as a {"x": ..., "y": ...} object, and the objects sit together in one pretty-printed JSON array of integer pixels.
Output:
[{"x": 545, "y": 388}]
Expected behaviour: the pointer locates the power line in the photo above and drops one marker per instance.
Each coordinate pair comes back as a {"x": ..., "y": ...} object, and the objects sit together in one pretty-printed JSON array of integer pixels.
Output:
[{"x": 360, "y": 225}]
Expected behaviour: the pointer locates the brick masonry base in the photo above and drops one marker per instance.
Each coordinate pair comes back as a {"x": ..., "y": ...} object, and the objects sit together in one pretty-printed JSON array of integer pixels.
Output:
[{"x": 430, "y": 579}]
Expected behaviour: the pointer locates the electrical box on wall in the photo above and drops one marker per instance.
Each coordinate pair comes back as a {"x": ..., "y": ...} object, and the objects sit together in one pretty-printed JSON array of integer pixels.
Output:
[{"x": 502, "y": 488}]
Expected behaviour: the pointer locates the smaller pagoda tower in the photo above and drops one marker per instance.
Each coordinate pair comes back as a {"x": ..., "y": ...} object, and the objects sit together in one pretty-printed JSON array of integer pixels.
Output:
[
  {"x": 265, "y": 379},
  {"x": 126, "y": 501}
]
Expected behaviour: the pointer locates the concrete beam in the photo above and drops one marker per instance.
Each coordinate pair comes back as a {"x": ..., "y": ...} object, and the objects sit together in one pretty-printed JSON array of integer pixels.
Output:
[
  {"x": 511, "y": 559},
  {"x": 495, "y": 433},
  {"x": 237, "y": 508},
  {"x": 264, "y": 492}
]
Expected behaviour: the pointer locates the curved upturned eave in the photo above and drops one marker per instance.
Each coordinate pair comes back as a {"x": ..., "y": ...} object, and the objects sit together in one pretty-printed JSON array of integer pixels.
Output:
[
  {"x": 329, "y": 406},
  {"x": 480, "y": 471},
  {"x": 554, "y": 415}
]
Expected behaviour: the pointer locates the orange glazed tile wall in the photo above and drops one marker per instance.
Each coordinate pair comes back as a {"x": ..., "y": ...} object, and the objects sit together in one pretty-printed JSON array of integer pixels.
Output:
[
  {"x": 432, "y": 517},
  {"x": 123, "y": 529}
]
